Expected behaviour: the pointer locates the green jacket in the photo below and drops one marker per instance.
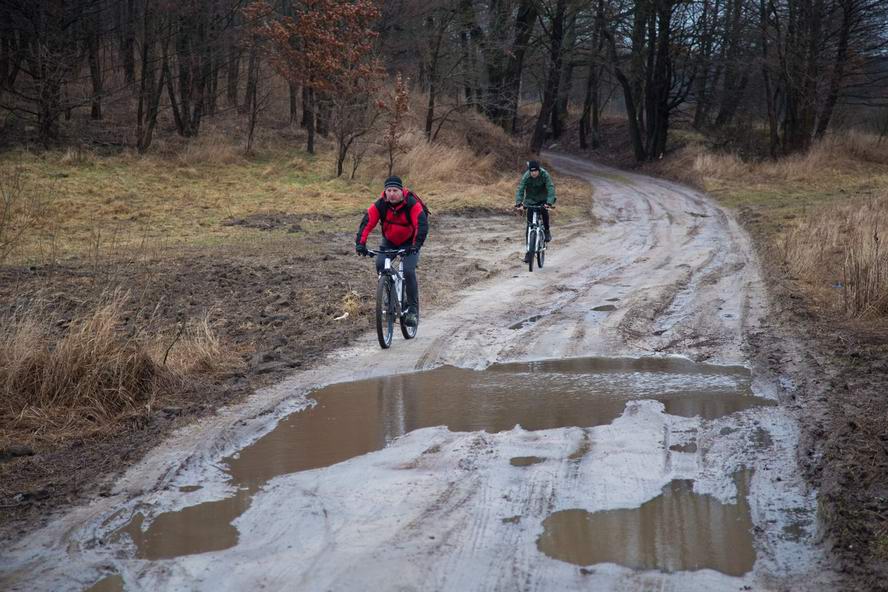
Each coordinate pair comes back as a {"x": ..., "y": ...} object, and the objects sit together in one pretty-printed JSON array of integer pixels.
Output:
[{"x": 535, "y": 192}]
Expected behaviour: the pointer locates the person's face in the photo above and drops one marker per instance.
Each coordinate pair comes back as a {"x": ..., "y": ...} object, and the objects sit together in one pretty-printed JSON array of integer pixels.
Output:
[
  {"x": 393, "y": 195},
  {"x": 535, "y": 173}
]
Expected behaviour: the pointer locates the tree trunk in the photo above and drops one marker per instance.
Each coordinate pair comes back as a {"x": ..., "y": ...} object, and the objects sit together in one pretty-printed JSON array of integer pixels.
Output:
[
  {"x": 128, "y": 47},
  {"x": 430, "y": 107},
  {"x": 550, "y": 94},
  {"x": 294, "y": 102},
  {"x": 838, "y": 72},
  {"x": 704, "y": 65},
  {"x": 559, "y": 112},
  {"x": 774, "y": 135},
  {"x": 591, "y": 89},
  {"x": 524, "y": 25},
  {"x": 251, "y": 79},
  {"x": 253, "y": 100},
  {"x": 232, "y": 73},
  {"x": 658, "y": 114},
  {"x": 308, "y": 115},
  {"x": 736, "y": 68},
  {"x": 95, "y": 71}
]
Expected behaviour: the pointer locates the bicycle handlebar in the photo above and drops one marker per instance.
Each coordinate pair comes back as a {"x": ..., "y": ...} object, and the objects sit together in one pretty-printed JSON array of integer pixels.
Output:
[
  {"x": 388, "y": 252},
  {"x": 542, "y": 207}
]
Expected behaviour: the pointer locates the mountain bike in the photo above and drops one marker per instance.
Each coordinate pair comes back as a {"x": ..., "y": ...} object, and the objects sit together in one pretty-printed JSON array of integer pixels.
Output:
[
  {"x": 536, "y": 238},
  {"x": 391, "y": 299}
]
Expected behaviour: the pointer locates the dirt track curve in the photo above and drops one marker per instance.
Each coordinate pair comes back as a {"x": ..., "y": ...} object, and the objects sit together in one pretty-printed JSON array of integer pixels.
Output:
[{"x": 664, "y": 273}]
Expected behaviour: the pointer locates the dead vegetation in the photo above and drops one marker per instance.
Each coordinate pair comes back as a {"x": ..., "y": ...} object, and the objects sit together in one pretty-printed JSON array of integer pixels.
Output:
[
  {"x": 73, "y": 376},
  {"x": 22, "y": 208},
  {"x": 824, "y": 213},
  {"x": 837, "y": 252},
  {"x": 84, "y": 376}
]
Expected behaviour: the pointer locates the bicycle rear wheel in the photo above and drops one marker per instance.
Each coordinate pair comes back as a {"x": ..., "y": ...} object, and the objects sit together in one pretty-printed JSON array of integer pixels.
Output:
[
  {"x": 385, "y": 312},
  {"x": 409, "y": 332}
]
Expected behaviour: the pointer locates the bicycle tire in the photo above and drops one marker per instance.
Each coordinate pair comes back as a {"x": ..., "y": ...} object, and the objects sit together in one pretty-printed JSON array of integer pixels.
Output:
[
  {"x": 541, "y": 256},
  {"x": 385, "y": 320},
  {"x": 409, "y": 332},
  {"x": 531, "y": 250}
]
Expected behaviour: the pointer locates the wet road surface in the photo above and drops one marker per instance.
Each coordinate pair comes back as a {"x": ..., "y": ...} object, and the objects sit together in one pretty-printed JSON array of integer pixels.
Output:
[{"x": 555, "y": 441}]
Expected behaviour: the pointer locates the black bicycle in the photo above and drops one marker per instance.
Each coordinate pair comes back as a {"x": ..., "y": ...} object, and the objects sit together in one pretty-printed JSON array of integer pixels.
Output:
[
  {"x": 391, "y": 299},
  {"x": 536, "y": 238}
]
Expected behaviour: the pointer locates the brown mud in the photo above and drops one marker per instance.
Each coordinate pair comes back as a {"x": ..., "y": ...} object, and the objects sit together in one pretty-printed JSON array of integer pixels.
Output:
[
  {"x": 838, "y": 377},
  {"x": 279, "y": 305},
  {"x": 837, "y": 371}
]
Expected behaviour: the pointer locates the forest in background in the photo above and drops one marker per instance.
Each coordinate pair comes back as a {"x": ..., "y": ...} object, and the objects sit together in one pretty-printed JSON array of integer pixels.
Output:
[{"x": 784, "y": 72}]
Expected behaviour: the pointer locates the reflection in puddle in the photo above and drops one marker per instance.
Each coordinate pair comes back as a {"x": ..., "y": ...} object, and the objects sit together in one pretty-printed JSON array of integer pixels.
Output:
[
  {"x": 355, "y": 418},
  {"x": 112, "y": 583},
  {"x": 676, "y": 531}
]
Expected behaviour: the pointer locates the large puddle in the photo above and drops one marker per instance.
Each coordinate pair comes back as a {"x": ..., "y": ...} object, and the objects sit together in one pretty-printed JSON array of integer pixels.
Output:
[
  {"x": 355, "y": 418},
  {"x": 676, "y": 531}
]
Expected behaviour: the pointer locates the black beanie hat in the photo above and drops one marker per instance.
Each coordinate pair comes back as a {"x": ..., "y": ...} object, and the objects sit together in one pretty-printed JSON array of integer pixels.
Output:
[
  {"x": 394, "y": 181},
  {"x": 533, "y": 165}
]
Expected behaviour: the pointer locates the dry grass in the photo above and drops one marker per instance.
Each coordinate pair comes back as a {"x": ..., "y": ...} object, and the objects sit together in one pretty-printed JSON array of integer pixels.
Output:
[
  {"x": 824, "y": 213},
  {"x": 837, "y": 252},
  {"x": 22, "y": 209},
  {"x": 838, "y": 155},
  {"x": 182, "y": 191},
  {"x": 90, "y": 374},
  {"x": 841, "y": 247},
  {"x": 195, "y": 349},
  {"x": 96, "y": 369}
]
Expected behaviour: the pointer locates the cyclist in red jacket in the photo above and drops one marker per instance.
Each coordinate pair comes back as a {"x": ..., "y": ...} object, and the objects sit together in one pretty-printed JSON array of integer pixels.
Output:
[{"x": 404, "y": 225}]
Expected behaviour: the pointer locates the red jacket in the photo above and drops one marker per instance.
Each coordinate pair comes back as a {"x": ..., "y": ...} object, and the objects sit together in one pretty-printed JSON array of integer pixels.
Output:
[{"x": 404, "y": 223}]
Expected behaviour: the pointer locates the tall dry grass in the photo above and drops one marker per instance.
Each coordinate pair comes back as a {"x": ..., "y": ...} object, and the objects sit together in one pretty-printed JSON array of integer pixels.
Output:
[
  {"x": 91, "y": 373},
  {"x": 844, "y": 152},
  {"x": 95, "y": 371},
  {"x": 838, "y": 251},
  {"x": 195, "y": 349}
]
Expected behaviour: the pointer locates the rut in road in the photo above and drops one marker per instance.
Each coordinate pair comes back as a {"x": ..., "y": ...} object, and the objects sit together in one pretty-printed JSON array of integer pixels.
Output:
[{"x": 424, "y": 507}]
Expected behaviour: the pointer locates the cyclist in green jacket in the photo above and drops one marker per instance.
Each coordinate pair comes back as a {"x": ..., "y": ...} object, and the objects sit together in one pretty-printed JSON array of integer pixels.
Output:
[{"x": 536, "y": 189}]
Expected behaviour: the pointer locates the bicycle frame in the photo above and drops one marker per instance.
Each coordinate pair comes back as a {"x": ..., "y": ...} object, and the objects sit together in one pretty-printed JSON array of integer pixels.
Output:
[
  {"x": 398, "y": 277},
  {"x": 535, "y": 227}
]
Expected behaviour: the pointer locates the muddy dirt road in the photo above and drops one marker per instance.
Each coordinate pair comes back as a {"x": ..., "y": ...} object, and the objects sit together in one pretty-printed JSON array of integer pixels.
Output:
[{"x": 592, "y": 425}]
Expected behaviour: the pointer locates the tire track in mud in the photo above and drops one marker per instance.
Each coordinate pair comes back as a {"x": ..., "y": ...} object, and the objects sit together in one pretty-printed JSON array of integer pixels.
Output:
[{"x": 662, "y": 259}]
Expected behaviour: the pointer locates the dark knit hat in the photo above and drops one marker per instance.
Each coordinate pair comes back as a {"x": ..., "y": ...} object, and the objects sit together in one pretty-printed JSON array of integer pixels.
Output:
[
  {"x": 533, "y": 165},
  {"x": 394, "y": 181}
]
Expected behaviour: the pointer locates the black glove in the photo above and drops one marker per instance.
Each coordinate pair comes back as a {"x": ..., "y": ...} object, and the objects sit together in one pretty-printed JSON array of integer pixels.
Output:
[
  {"x": 361, "y": 250},
  {"x": 412, "y": 249},
  {"x": 519, "y": 206},
  {"x": 549, "y": 206}
]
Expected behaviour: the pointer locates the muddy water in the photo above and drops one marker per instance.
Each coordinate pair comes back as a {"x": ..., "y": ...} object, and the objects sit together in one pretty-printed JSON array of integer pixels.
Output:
[
  {"x": 112, "y": 583},
  {"x": 353, "y": 419},
  {"x": 676, "y": 531}
]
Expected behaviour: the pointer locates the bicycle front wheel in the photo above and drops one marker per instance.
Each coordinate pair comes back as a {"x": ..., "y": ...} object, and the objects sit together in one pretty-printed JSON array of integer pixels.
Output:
[
  {"x": 531, "y": 250},
  {"x": 541, "y": 250},
  {"x": 385, "y": 312}
]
